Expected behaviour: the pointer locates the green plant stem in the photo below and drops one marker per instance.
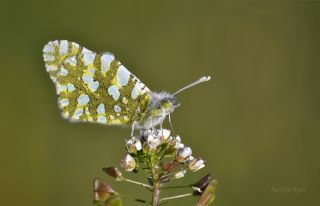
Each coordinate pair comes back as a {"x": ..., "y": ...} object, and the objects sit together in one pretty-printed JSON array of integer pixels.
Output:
[
  {"x": 176, "y": 197},
  {"x": 138, "y": 183},
  {"x": 156, "y": 195},
  {"x": 156, "y": 187}
]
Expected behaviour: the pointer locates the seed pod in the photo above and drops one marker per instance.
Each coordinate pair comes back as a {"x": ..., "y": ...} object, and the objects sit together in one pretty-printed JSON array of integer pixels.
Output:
[
  {"x": 201, "y": 185},
  {"x": 113, "y": 172},
  {"x": 102, "y": 190}
]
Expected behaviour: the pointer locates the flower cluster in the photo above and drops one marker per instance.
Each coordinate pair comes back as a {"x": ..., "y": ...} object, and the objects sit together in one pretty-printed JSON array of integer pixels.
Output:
[
  {"x": 164, "y": 157},
  {"x": 160, "y": 147}
]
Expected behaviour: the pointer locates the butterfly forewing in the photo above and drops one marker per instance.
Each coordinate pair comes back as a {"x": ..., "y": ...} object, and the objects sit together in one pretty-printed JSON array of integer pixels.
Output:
[{"x": 93, "y": 87}]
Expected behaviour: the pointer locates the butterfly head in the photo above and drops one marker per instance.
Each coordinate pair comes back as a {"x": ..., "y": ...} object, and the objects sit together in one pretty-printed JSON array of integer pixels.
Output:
[
  {"x": 164, "y": 102},
  {"x": 169, "y": 104}
]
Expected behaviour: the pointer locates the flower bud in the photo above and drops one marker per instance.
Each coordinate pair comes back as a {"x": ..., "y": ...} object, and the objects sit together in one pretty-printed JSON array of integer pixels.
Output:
[
  {"x": 128, "y": 163},
  {"x": 133, "y": 145},
  {"x": 183, "y": 154},
  {"x": 190, "y": 158},
  {"x": 179, "y": 146},
  {"x": 178, "y": 138},
  {"x": 196, "y": 164},
  {"x": 180, "y": 174},
  {"x": 153, "y": 141}
]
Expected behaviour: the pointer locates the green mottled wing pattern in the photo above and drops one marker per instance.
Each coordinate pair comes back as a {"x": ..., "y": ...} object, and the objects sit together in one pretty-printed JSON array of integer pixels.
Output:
[{"x": 94, "y": 87}]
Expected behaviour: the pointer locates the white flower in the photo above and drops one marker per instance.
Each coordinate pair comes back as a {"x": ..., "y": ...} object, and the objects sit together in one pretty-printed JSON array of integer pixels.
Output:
[
  {"x": 153, "y": 141},
  {"x": 180, "y": 174},
  {"x": 183, "y": 154},
  {"x": 196, "y": 164},
  {"x": 133, "y": 145},
  {"x": 164, "y": 134},
  {"x": 128, "y": 163}
]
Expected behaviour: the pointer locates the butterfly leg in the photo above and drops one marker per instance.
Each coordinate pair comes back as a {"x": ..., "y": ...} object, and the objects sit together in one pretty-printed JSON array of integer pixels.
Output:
[
  {"x": 161, "y": 128},
  {"x": 132, "y": 128},
  {"x": 169, "y": 118},
  {"x": 161, "y": 124}
]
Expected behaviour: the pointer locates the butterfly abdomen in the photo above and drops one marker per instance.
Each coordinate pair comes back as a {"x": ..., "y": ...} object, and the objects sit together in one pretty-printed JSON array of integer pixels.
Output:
[{"x": 92, "y": 87}]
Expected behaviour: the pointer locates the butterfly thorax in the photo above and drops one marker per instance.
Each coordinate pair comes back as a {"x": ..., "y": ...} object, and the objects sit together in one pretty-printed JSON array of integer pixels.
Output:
[{"x": 161, "y": 104}]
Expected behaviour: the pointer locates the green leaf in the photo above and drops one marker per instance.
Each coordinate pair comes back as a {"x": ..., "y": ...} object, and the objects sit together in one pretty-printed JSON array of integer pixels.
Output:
[{"x": 208, "y": 195}]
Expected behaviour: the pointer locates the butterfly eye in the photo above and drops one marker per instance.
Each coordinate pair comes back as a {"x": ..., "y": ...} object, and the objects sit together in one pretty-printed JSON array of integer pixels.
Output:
[{"x": 164, "y": 102}]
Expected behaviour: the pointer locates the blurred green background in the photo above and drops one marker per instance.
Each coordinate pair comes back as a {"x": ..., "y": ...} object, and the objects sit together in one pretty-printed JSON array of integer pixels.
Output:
[{"x": 256, "y": 123}]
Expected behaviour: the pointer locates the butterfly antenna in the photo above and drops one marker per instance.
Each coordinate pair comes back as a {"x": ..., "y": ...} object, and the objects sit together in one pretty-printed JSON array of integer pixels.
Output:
[{"x": 202, "y": 79}]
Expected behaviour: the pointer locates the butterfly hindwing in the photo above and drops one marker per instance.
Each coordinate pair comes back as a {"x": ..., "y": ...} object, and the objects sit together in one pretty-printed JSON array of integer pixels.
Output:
[{"x": 93, "y": 87}]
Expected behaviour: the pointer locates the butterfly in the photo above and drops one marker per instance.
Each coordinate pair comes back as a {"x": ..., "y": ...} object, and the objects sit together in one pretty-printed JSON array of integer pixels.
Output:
[{"x": 97, "y": 88}]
